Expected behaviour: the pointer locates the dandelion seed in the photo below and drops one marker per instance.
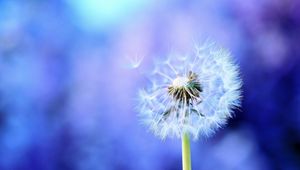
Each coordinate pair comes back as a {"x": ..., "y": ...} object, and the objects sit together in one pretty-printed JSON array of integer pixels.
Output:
[
  {"x": 134, "y": 61},
  {"x": 201, "y": 92}
]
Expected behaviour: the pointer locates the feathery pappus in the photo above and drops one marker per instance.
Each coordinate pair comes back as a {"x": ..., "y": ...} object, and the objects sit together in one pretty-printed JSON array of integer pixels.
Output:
[{"x": 193, "y": 94}]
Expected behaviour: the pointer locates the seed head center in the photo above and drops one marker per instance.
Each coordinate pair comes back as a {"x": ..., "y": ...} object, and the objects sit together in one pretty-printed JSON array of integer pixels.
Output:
[
  {"x": 186, "y": 89},
  {"x": 180, "y": 82}
]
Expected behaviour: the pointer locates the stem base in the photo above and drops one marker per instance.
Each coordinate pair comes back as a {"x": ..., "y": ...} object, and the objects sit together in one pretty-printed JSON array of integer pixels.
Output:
[{"x": 186, "y": 152}]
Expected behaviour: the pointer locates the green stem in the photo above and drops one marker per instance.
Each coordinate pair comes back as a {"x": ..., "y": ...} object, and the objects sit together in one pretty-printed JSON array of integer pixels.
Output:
[{"x": 186, "y": 152}]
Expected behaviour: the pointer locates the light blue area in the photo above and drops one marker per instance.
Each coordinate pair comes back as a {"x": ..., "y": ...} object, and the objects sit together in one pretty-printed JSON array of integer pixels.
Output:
[{"x": 93, "y": 15}]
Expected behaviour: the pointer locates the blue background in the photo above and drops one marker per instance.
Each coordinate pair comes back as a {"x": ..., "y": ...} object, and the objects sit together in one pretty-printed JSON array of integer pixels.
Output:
[{"x": 70, "y": 71}]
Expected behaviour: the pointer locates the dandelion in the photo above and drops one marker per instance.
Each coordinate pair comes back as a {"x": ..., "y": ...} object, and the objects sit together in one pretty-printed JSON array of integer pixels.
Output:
[{"x": 191, "y": 95}]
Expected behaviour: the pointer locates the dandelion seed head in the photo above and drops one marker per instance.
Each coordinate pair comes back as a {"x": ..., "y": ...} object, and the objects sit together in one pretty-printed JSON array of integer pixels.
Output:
[{"x": 192, "y": 93}]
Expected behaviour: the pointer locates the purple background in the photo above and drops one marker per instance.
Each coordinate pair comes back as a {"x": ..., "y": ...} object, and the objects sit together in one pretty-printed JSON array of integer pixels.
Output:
[{"x": 70, "y": 71}]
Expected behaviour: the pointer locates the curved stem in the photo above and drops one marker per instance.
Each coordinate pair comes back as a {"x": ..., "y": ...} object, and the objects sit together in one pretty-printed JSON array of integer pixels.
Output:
[{"x": 186, "y": 152}]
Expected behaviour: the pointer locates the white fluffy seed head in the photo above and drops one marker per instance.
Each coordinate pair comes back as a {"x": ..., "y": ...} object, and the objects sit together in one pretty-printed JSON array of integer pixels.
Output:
[{"x": 199, "y": 101}]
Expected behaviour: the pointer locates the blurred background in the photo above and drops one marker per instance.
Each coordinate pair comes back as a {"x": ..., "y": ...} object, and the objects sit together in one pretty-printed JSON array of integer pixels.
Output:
[{"x": 70, "y": 71}]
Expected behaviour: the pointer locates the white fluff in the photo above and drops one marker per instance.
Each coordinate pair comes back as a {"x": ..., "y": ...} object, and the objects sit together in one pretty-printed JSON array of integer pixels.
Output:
[{"x": 219, "y": 79}]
